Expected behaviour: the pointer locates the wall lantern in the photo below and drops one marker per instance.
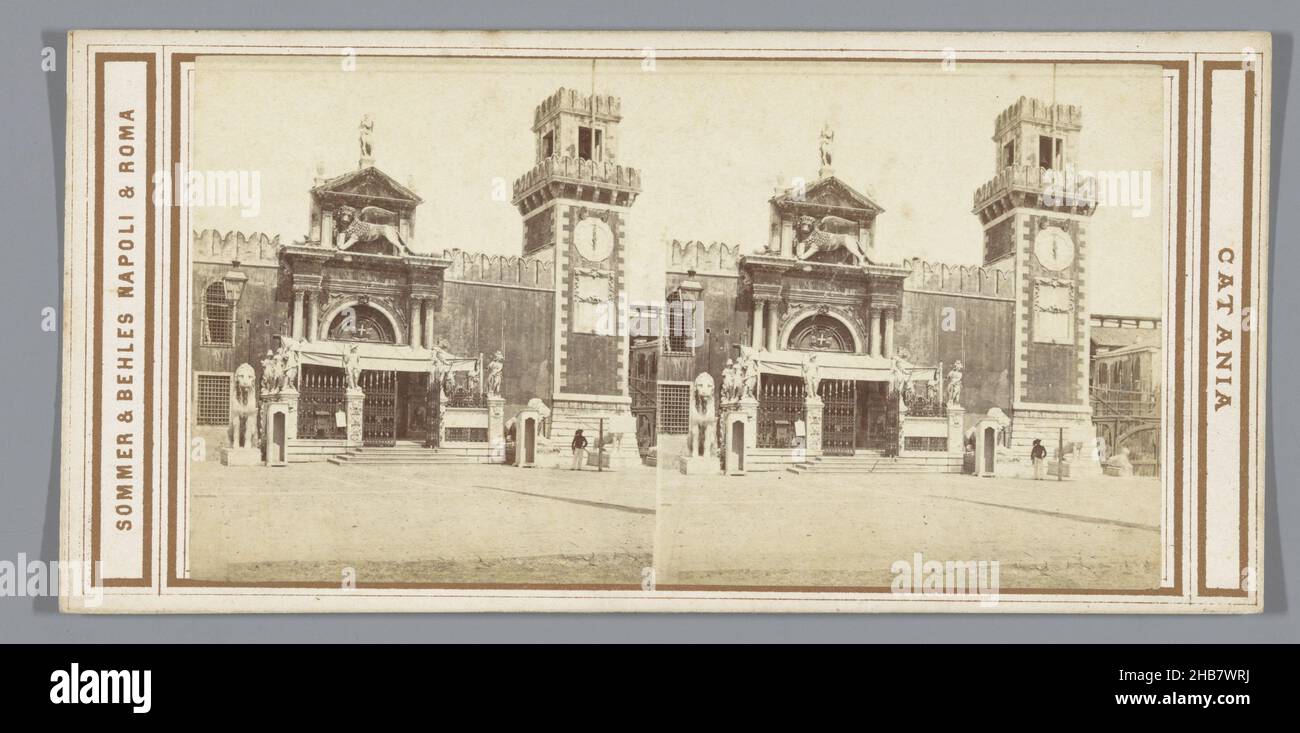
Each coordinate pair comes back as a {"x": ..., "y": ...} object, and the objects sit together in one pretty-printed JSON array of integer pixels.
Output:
[{"x": 234, "y": 282}]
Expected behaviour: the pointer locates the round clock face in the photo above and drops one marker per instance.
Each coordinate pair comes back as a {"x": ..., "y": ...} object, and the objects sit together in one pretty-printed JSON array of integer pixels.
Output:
[
  {"x": 593, "y": 239},
  {"x": 1054, "y": 248}
]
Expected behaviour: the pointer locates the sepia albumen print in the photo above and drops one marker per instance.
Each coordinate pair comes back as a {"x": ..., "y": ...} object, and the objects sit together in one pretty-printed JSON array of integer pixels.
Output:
[{"x": 664, "y": 329}]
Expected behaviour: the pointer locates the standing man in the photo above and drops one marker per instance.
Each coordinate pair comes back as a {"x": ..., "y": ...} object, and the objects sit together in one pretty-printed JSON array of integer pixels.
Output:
[
  {"x": 579, "y": 450},
  {"x": 1039, "y": 456}
]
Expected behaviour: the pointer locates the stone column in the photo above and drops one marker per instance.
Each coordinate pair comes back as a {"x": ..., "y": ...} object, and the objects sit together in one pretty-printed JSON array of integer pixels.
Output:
[
  {"x": 327, "y": 228},
  {"x": 890, "y": 315},
  {"x": 356, "y": 400},
  {"x": 497, "y": 428},
  {"x": 756, "y": 335},
  {"x": 873, "y": 332},
  {"x": 415, "y": 327},
  {"x": 812, "y": 417},
  {"x": 428, "y": 323},
  {"x": 309, "y": 316},
  {"x": 299, "y": 304},
  {"x": 770, "y": 330},
  {"x": 315, "y": 328}
]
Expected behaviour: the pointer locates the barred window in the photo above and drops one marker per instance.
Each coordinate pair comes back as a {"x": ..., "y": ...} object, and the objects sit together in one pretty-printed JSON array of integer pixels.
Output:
[
  {"x": 681, "y": 326},
  {"x": 218, "y": 316},
  {"x": 925, "y": 443},
  {"x": 212, "y": 398},
  {"x": 674, "y": 408}
]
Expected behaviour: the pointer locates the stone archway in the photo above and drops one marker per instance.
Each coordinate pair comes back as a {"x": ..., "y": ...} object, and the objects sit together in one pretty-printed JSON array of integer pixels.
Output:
[
  {"x": 821, "y": 330},
  {"x": 369, "y": 311}
]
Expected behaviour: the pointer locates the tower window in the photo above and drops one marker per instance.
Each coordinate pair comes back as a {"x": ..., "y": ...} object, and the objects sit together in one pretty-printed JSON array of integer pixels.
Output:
[
  {"x": 1050, "y": 151},
  {"x": 548, "y": 144},
  {"x": 591, "y": 143},
  {"x": 1009, "y": 154},
  {"x": 584, "y": 143}
]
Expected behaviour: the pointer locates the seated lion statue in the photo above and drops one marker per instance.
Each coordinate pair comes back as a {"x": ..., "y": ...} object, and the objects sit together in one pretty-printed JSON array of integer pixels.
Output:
[
  {"x": 243, "y": 408},
  {"x": 703, "y": 435}
]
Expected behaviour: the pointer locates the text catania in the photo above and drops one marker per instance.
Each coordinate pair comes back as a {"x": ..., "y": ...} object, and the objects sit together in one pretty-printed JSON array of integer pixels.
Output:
[{"x": 1225, "y": 329}]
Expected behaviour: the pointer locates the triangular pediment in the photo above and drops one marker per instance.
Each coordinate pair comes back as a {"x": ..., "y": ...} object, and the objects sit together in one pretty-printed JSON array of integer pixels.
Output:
[
  {"x": 829, "y": 192},
  {"x": 369, "y": 183}
]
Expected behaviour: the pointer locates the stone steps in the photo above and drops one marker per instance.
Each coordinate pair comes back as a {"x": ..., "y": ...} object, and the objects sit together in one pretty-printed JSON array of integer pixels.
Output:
[
  {"x": 413, "y": 454},
  {"x": 874, "y": 462}
]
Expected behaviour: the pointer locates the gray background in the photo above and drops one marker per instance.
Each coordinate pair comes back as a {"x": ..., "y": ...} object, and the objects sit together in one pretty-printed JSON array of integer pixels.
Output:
[{"x": 31, "y": 191}]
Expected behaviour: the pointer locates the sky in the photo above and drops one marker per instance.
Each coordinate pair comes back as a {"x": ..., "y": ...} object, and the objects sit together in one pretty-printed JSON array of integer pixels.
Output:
[{"x": 711, "y": 138}]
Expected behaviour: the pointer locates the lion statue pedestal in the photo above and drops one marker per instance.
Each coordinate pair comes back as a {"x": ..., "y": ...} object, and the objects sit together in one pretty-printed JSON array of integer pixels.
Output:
[
  {"x": 244, "y": 448},
  {"x": 702, "y": 439}
]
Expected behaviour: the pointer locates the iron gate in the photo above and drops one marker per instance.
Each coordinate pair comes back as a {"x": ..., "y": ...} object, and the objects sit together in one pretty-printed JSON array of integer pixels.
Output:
[
  {"x": 839, "y": 398},
  {"x": 379, "y": 415},
  {"x": 780, "y": 405},
  {"x": 320, "y": 399}
]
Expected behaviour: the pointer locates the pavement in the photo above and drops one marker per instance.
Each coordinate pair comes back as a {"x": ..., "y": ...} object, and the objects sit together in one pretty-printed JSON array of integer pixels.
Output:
[
  {"x": 427, "y": 524},
  {"x": 784, "y": 529},
  {"x": 499, "y": 524}
]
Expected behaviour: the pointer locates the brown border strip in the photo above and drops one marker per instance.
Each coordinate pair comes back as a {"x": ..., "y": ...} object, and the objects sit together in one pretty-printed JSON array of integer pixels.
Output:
[
  {"x": 1248, "y": 192},
  {"x": 146, "y": 575},
  {"x": 1182, "y": 67}
]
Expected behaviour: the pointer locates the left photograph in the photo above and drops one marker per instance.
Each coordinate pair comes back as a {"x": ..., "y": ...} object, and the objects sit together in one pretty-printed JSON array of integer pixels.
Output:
[{"x": 409, "y": 344}]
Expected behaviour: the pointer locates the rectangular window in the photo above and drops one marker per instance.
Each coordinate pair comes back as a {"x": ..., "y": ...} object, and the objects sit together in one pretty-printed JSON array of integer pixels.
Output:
[
  {"x": 1009, "y": 154},
  {"x": 212, "y": 399},
  {"x": 584, "y": 143},
  {"x": 1050, "y": 151},
  {"x": 548, "y": 144}
]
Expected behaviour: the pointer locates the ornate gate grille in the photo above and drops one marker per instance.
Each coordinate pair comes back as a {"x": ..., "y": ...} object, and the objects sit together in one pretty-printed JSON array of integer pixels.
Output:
[
  {"x": 839, "y": 396},
  {"x": 320, "y": 399},
  {"x": 780, "y": 405},
  {"x": 379, "y": 415}
]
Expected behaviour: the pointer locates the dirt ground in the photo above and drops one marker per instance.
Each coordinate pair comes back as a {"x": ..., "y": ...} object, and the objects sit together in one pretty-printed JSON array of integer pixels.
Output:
[
  {"x": 784, "y": 529},
  {"x": 452, "y": 524}
]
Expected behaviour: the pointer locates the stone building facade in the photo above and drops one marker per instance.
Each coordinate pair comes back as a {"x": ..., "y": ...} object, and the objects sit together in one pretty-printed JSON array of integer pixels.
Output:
[
  {"x": 450, "y": 345},
  {"x": 912, "y": 357}
]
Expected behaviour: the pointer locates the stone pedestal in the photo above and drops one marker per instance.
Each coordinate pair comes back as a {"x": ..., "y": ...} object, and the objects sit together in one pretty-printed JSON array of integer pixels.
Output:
[
  {"x": 739, "y": 435},
  {"x": 355, "y": 401},
  {"x": 698, "y": 465},
  {"x": 240, "y": 456},
  {"x": 813, "y": 410},
  {"x": 956, "y": 430},
  {"x": 496, "y": 406},
  {"x": 572, "y": 412}
]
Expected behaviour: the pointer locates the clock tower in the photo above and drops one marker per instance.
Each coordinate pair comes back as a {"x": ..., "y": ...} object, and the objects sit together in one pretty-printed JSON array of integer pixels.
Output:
[
  {"x": 1035, "y": 213},
  {"x": 575, "y": 203}
]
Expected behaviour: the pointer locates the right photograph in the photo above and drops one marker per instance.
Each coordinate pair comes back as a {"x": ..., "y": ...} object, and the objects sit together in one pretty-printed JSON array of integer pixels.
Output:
[{"x": 920, "y": 348}]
